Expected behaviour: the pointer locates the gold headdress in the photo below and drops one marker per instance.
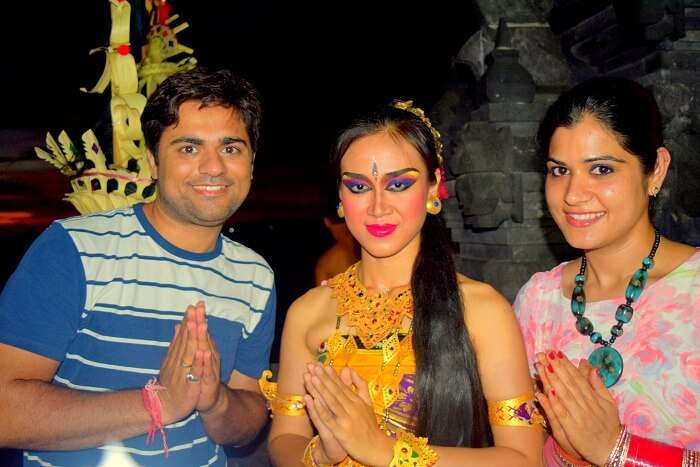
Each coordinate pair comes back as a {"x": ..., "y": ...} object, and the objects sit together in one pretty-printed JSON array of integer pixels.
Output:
[
  {"x": 97, "y": 185},
  {"x": 418, "y": 112}
]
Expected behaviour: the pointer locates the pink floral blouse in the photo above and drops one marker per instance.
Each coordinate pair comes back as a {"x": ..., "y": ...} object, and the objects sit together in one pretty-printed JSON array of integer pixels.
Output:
[{"x": 658, "y": 394}]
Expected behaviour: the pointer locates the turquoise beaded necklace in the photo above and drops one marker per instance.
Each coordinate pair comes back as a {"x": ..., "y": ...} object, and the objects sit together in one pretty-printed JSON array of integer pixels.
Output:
[{"x": 606, "y": 359}]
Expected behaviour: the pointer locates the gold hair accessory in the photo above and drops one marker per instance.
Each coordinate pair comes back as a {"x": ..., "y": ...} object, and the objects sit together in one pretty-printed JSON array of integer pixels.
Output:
[
  {"x": 433, "y": 205},
  {"x": 519, "y": 411},
  {"x": 280, "y": 404},
  {"x": 418, "y": 112},
  {"x": 410, "y": 450}
]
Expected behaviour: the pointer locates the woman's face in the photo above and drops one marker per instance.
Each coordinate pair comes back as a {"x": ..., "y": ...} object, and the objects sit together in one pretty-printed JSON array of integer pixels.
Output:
[
  {"x": 384, "y": 188},
  {"x": 596, "y": 191}
]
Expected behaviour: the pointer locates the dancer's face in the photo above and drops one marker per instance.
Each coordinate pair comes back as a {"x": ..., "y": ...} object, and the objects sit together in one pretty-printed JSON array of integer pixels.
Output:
[
  {"x": 597, "y": 191},
  {"x": 204, "y": 165},
  {"x": 384, "y": 189}
]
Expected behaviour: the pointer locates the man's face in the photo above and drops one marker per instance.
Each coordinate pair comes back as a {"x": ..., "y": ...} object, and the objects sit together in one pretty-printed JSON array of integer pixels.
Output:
[{"x": 204, "y": 167}]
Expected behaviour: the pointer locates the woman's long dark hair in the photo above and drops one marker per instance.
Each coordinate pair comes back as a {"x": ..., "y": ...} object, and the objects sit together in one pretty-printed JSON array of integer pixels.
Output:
[{"x": 450, "y": 401}]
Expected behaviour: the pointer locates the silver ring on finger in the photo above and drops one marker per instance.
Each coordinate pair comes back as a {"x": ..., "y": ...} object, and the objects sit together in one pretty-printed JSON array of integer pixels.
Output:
[
  {"x": 191, "y": 378},
  {"x": 185, "y": 365}
]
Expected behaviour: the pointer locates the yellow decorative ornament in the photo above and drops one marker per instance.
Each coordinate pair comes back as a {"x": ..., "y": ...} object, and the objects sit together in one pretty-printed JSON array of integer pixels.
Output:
[
  {"x": 519, "y": 411},
  {"x": 98, "y": 185},
  {"x": 374, "y": 316},
  {"x": 418, "y": 112},
  {"x": 433, "y": 205},
  {"x": 162, "y": 45},
  {"x": 412, "y": 451},
  {"x": 280, "y": 404}
]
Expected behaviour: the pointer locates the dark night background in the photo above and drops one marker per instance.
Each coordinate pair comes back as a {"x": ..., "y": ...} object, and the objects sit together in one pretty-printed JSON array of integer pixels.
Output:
[{"x": 315, "y": 65}]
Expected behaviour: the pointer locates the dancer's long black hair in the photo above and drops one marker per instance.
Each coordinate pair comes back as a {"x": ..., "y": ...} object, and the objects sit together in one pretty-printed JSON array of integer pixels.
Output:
[{"x": 450, "y": 400}]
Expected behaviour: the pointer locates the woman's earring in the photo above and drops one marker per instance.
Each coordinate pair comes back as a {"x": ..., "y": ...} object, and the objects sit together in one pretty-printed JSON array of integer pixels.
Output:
[
  {"x": 433, "y": 205},
  {"x": 340, "y": 210},
  {"x": 654, "y": 191}
]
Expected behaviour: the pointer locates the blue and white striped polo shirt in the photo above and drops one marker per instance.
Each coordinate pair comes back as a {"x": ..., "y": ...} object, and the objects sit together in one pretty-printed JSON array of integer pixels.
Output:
[{"x": 102, "y": 294}]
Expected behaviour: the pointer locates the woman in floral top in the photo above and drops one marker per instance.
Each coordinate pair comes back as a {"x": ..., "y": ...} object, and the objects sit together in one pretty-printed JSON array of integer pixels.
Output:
[{"x": 626, "y": 314}]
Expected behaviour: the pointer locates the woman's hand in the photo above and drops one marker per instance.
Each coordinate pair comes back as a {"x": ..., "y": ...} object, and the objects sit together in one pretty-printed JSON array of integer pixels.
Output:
[
  {"x": 582, "y": 412},
  {"x": 331, "y": 450},
  {"x": 346, "y": 414}
]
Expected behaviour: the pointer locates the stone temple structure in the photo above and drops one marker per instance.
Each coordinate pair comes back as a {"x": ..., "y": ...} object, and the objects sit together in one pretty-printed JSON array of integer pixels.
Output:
[{"x": 507, "y": 73}]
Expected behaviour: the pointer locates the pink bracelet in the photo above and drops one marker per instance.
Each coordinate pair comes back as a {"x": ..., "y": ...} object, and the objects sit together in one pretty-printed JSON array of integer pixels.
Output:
[{"x": 151, "y": 402}]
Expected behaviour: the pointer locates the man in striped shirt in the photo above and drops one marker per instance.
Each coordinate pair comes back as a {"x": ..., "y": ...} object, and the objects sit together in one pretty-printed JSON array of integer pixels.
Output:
[{"x": 101, "y": 304}]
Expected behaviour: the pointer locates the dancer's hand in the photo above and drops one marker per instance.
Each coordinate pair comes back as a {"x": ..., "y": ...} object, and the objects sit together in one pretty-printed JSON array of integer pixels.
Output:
[
  {"x": 331, "y": 450},
  {"x": 348, "y": 415},
  {"x": 579, "y": 404}
]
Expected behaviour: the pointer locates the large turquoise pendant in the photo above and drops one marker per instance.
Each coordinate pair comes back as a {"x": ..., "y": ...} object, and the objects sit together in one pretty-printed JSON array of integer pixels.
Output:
[{"x": 609, "y": 363}]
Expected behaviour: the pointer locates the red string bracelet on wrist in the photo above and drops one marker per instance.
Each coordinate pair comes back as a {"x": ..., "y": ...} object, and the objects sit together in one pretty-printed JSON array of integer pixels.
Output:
[{"x": 151, "y": 402}]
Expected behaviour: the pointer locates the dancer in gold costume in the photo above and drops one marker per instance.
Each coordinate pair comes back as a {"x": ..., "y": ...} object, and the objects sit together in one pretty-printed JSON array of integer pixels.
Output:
[{"x": 400, "y": 360}]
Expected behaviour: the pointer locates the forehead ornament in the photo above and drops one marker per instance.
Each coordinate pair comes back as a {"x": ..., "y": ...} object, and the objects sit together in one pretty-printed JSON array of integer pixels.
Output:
[{"x": 375, "y": 170}]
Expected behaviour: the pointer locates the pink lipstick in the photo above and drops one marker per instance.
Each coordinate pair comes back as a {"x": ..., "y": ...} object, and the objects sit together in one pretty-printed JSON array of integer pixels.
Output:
[{"x": 380, "y": 230}]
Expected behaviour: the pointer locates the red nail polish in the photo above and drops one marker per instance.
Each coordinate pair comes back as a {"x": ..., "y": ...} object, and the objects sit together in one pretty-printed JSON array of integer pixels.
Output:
[
  {"x": 551, "y": 355},
  {"x": 549, "y": 368},
  {"x": 552, "y": 391},
  {"x": 560, "y": 354}
]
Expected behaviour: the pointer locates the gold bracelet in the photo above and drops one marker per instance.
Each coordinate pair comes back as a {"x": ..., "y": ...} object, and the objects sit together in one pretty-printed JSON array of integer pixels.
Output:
[
  {"x": 308, "y": 459},
  {"x": 412, "y": 451},
  {"x": 518, "y": 411}
]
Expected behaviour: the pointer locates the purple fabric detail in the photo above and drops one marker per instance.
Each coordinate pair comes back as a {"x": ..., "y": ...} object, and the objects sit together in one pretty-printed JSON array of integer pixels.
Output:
[
  {"x": 405, "y": 405},
  {"x": 523, "y": 414}
]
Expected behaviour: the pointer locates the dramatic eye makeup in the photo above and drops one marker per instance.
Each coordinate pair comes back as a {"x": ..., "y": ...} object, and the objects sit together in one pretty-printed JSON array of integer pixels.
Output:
[
  {"x": 401, "y": 180},
  {"x": 356, "y": 183},
  {"x": 396, "y": 181}
]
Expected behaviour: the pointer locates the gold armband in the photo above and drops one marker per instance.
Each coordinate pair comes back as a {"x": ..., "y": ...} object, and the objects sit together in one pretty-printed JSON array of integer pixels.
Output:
[
  {"x": 519, "y": 411},
  {"x": 280, "y": 404},
  {"x": 410, "y": 450}
]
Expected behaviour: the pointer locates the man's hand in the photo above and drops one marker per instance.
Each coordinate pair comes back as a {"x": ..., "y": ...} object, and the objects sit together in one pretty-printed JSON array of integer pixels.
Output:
[
  {"x": 208, "y": 364},
  {"x": 181, "y": 393}
]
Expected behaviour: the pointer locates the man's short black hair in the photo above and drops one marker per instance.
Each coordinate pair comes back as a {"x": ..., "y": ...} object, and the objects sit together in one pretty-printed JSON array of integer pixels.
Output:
[{"x": 217, "y": 88}]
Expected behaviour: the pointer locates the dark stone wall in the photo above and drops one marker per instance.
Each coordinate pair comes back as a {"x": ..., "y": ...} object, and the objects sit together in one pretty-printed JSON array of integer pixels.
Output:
[{"x": 489, "y": 113}]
